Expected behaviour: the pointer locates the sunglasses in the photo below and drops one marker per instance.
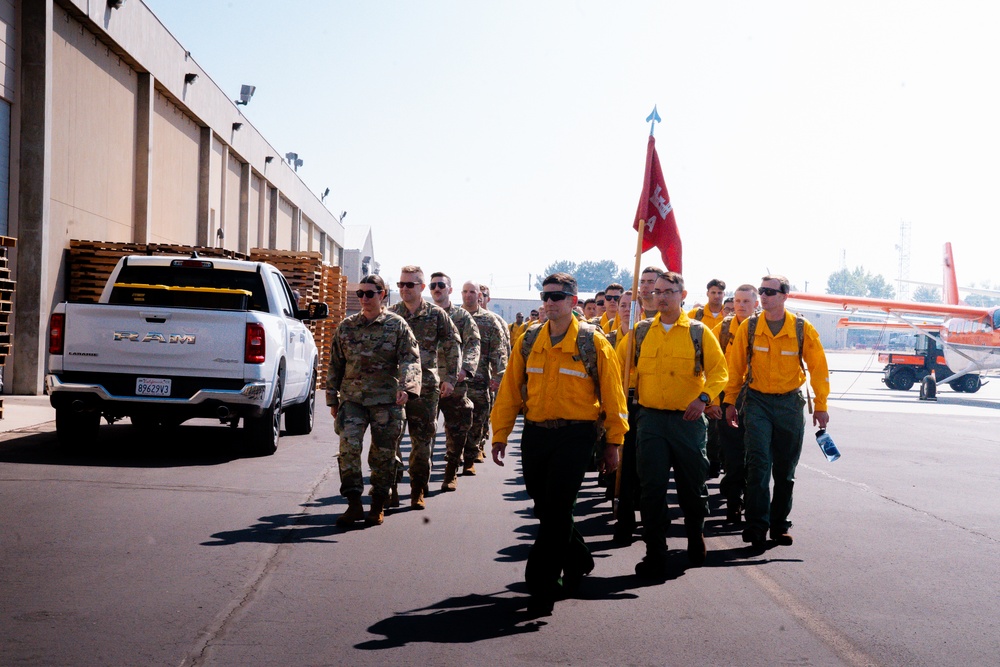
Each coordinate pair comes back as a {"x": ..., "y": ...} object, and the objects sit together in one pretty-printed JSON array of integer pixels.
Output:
[
  {"x": 439, "y": 285},
  {"x": 612, "y": 297},
  {"x": 554, "y": 296},
  {"x": 658, "y": 292},
  {"x": 769, "y": 291},
  {"x": 367, "y": 294},
  {"x": 599, "y": 303},
  {"x": 409, "y": 284}
]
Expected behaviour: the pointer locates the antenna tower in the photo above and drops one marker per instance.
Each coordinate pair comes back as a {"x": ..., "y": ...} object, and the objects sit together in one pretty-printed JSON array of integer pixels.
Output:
[{"x": 903, "y": 248}]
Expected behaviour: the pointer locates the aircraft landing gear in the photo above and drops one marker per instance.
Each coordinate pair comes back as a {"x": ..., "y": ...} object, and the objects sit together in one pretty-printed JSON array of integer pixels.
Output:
[{"x": 928, "y": 388}]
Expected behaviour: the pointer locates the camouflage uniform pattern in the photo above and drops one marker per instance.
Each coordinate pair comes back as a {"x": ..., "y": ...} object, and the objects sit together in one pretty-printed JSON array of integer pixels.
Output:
[
  {"x": 492, "y": 364},
  {"x": 369, "y": 363},
  {"x": 438, "y": 339},
  {"x": 457, "y": 408}
]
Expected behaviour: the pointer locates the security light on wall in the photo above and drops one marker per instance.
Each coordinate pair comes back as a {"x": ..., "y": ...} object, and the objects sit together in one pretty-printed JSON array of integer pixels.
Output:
[
  {"x": 268, "y": 159},
  {"x": 246, "y": 92},
  {"x": 237, "y": 126},
  {"x": 190, "y": 77},
  {"x": 326, "y": 193},
  {"x": 116, "y": 4},
  {"x": 291, "y": 157}
]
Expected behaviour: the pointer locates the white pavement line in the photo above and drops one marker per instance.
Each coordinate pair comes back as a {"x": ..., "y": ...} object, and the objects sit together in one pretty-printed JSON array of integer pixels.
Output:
[
  {"x": 225, "y": 618},
  {"x": 812, "y": 621},
  {"x": 867, "y": 489}
]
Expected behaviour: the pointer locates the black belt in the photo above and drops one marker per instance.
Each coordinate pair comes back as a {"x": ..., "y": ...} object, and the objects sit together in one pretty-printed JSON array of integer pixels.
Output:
[{"x": 558, "y": 423}]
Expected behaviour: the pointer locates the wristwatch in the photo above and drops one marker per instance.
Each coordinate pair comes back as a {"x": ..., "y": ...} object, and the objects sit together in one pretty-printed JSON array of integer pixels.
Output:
[{"x": 704, "y": 398}]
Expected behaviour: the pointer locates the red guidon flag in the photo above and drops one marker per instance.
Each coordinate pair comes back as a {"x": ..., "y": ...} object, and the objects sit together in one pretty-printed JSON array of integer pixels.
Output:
[{"x": 657, "y": 214}]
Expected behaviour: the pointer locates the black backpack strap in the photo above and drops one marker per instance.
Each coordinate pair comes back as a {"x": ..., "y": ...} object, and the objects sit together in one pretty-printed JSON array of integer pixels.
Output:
[{"x": 697, "y": 334}]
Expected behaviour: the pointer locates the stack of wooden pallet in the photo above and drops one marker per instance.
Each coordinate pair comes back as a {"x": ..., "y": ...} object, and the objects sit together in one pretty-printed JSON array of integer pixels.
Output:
[
  {"x": 314, "y": 281},
  {"x": 90, "y": 263},
  {"x": 6, "y": 306}
]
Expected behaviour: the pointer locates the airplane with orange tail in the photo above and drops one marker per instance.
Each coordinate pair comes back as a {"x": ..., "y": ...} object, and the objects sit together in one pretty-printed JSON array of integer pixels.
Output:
[{"x": 969, "y": 336}]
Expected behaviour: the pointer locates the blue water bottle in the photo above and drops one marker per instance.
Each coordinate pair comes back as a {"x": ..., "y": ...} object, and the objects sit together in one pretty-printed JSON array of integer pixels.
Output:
[{"x": 826, "y": 443}]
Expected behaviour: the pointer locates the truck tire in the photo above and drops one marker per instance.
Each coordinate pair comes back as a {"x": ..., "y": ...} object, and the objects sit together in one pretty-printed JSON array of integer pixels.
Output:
[
  {"x": 299, "y": 418},
  {"x": 902, "y": 379},
  {"x": 969, "y": 384},
  {"x": 262, "y": 432},
  {"x": 77, "y": 429}
]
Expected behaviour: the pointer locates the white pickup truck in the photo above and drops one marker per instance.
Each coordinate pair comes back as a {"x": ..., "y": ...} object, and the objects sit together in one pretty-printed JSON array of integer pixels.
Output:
[{"x": 174, "y": 338}]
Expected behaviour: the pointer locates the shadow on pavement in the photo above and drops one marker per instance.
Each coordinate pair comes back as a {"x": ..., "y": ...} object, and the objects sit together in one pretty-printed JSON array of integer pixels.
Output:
[
  {"x": 125, "y": 446},
  {"x": 457, "y": 620}
]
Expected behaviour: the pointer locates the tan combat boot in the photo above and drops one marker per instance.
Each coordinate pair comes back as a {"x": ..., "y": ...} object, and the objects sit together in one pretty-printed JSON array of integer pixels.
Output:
[
  {"x": 450, "y": 477},
  {"x": 354, "y": 512},
  {"x": 469, "y": 469},
  {"x": 376, "y": 515},
  {"x": 417, "y": 497}
]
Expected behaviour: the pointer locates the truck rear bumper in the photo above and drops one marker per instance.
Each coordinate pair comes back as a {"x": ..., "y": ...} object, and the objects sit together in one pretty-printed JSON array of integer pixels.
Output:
[{"x": 251, "y": 399}]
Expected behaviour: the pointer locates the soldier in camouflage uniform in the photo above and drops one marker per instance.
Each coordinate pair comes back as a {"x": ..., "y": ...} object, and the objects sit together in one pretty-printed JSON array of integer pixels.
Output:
[
  {"x": 493, "y": 354},
  {"x": 437, "y": 338},
  {"x": 484, "y": 302},
  {"x": 457, "y": 408},
  {"x": 374, "y": 370}
]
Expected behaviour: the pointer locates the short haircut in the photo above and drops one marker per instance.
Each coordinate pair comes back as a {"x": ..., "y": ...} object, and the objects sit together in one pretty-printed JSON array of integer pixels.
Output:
[
  {"x": 438, "y": 274},
  {"x": 653, "y": 269},
  {"x": 614, "y": 286},
  {"x": 588, "y": 301},
  {"x": 715, "y": 282},
  {"x": 747, "y": 287},
  {"x": 673, "y": 278},
  {"x": 374, "y": 279},
  {"x": 565, "y": 280},
  {"x": 628, "y": 291},
  {"x": 728, "y": 299},
  {"x": 413, "y": 268},
  {"x": 599, "y": 294},
  {"x": 533, "y": 313},
  {"x": 783, "y": 283}
]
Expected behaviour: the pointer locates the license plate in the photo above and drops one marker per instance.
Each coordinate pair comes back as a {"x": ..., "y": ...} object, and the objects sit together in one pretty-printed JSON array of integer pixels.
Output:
[{"x": 152, "y": 387}]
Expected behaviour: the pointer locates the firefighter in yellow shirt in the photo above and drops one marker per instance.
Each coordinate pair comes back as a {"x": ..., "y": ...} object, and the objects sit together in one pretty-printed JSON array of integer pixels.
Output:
[
  {"x": 680, "y": 370},
  {"x": 773, "y": 371},
  {"x": 562, "y": 403},
  {"x": 610, "y": 320}
]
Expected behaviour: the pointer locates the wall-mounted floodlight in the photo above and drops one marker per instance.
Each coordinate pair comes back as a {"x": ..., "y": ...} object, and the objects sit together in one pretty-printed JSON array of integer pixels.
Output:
[
  {"x": 291, "y": 157},
  {"x": 115, "y": 4},
  {"x": 246, "y": 92},
  {"x": 326, "y": 193},
  {"x": 268, "y": 159},
  {"x": 190, "y": 78},
  {"x": 237, "y": 126},
  {"x": 297, "y": 164}
]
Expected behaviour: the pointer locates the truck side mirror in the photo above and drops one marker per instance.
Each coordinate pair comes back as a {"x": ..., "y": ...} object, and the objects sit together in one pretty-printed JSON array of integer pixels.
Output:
[{"x": 317, "y": 310}]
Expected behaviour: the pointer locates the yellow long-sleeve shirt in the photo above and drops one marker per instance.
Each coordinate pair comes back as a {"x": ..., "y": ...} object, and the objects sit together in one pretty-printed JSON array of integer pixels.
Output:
[
  {"x": 608, "y": 325},
  {"x": 708, "y": 319},
  {"x": 559, "y": 386},
  {"x": 666, "y": 366},
  {"x": 775, "y": 361}
]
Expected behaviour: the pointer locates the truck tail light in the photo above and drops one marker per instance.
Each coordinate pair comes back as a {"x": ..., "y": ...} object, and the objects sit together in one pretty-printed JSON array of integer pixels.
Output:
[
  {"x": 57, "y": 329},
  {"x": 256, "y": 347}
]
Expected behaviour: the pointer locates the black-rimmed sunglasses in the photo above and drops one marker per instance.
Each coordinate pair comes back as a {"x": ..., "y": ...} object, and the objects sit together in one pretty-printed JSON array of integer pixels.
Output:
[
  {"x": 409, "y": 284},
  {"x": 555, "y": 296},
  {"x": 441, "y": 285},
  {"x": 612, "y": 297},
  {"x": 367, "y": 293},
  {"x": 769, "y": 291}
]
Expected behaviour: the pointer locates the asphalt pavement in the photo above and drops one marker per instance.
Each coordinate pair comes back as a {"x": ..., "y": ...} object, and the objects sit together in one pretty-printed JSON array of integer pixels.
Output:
[{"x": 175, "y": 548}]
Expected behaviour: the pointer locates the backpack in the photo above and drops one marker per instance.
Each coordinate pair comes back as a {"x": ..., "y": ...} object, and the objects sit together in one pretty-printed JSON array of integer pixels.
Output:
[{"x": 584, "y": 344}]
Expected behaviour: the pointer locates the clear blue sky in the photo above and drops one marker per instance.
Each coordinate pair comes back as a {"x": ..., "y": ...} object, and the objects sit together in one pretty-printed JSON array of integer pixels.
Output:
[{"x": 489, "y": 139}]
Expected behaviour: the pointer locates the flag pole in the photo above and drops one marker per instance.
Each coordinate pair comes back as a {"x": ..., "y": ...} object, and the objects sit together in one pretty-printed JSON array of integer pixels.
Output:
[{"x": 636, "y": 307}]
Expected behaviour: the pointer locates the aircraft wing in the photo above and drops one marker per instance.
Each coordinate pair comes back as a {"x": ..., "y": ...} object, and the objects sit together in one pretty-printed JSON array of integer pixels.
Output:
[
  {"x": 968, "y": 290},
  {"x": 845, "y": 323},
  {"x": 893, "y": 307}
]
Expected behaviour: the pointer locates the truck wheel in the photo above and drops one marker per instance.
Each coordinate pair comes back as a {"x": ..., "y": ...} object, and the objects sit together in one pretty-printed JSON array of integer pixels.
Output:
[
  {"x": 969, "y": 384},
  {"x": 77, "y": 429},
  {"x": 262, "y": 432},
  {"x": 299, "y": 418},
  {"x": 903, "y": 379}
]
